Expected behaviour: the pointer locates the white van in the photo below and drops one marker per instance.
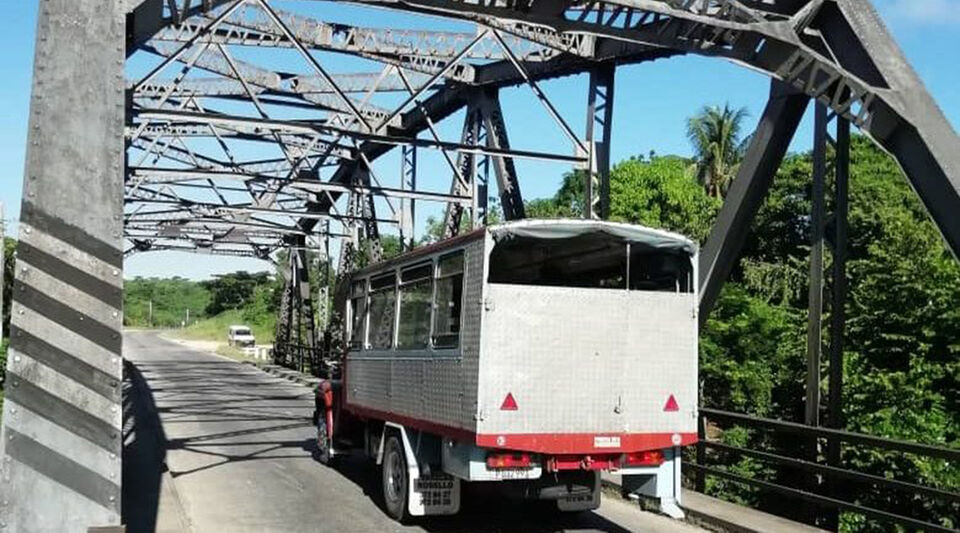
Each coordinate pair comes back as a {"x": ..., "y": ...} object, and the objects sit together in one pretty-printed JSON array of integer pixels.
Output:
[{"x": 240, "y": 336}]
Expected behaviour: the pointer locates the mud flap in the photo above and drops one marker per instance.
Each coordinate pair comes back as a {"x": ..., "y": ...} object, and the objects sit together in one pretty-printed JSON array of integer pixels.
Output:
[
  {"x": 435, "y": 494},
  {"x": 582, "y": 502},
  {"x": 661, "y": 482}
]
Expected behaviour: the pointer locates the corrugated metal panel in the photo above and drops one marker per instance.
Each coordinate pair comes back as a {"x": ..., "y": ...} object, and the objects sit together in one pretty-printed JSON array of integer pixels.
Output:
[
  {"x": 440, "y": 388},
  {"x": 470, "y": 336},
  {"x": 443, "y": 391},
  {"x": 368, "y": 383},
  {"x": 406, "y": 387},
  {"x": 588, "y": 360}
]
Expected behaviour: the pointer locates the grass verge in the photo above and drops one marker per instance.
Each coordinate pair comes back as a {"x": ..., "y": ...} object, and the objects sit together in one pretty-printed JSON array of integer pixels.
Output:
[
  {"x": 215, "y": 328},
  {"x": 233, "y": 353}
]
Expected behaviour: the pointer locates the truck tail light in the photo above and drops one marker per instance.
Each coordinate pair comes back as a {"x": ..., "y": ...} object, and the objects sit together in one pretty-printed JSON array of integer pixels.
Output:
[
  {"x": 644, "y": 458},
  {"x": 509, "y": 460}
]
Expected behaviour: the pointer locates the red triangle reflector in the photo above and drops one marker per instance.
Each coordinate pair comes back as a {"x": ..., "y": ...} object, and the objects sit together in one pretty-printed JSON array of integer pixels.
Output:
[
  {"x": 671, "y": 404},
  {"x": 509, "y": 404}
]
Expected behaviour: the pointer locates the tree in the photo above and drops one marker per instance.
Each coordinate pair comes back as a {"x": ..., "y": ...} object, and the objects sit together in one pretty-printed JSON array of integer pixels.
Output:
[
  {"x": 715, "y": 135},
  {"x": 902, "y": 349},
  {"x": 660, "y": 193},
  {"x": 233, "y": 291},
  {"x": 169, "y": 298},
  {"x": 9, "y": 258}
]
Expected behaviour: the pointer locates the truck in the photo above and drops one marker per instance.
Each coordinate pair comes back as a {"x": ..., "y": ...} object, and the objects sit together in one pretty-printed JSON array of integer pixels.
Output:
[{"x": 535, "y": 354}]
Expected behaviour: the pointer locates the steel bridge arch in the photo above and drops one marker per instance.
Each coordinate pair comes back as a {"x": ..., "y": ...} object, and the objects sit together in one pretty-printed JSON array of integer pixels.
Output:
[
  {"x": 836, "y": 52},
  {"x": 868, "y": 81}
]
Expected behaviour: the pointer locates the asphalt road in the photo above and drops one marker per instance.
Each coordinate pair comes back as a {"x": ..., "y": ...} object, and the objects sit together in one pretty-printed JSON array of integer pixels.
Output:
[{"x": 212, "y": 445}]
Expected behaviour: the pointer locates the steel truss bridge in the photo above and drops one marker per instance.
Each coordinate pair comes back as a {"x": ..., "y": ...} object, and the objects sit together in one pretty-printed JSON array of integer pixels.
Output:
[{"x": 139, "y": 106}]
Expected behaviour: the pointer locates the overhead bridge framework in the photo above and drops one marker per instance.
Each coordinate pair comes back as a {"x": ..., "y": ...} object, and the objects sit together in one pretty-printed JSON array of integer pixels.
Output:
[{"x": 161, "y": 161}]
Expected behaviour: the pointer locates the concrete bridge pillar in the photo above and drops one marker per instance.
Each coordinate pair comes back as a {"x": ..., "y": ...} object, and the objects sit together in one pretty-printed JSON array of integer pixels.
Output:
[{"x": 61, "y": 436}]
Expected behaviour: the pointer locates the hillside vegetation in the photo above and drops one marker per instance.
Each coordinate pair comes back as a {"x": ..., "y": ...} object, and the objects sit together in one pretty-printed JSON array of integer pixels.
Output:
[
  {"x": 215, "y": 328},
  {"x": 213, "y": 305}
]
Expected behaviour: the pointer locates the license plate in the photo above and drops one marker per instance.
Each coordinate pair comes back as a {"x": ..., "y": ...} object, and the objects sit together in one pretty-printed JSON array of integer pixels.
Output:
[{"x": 606, "y": 442}]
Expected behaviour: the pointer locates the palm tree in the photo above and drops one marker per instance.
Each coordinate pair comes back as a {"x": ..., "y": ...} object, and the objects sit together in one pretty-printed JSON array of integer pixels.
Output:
[{"x": 715, "y": 134}]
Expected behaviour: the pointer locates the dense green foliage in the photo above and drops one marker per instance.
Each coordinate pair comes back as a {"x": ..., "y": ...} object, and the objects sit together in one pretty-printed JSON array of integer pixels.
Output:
[
  {"x": 902, "y": 356},
  {"x": 233, "y": 291},
  {"x": 3, "y": 368},
  {"x": 170, "y": 299},
  {"x": 235, "y": 298},
  {"x": 715, "y": 136},
  {"x": 658, "y": 192},
  {"x": 9, "y": 257},
  {"x": 215, "y": 328},
  {"x": 902, "y": 344}
]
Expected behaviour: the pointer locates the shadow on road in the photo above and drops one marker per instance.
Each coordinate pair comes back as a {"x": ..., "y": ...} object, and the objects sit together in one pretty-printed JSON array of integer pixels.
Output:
[
  {"x": 144, "y": 450},
  {"x": 484, "y": 509},
  {"x": 188, "y": 392}
]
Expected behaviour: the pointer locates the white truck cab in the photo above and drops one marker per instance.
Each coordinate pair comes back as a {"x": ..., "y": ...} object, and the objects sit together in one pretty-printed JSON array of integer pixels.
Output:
[{"x": 240, "y": 336}]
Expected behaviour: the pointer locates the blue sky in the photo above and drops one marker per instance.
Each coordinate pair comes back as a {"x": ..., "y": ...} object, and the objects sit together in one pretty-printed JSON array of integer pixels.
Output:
[{"x": 652, "y": 103}]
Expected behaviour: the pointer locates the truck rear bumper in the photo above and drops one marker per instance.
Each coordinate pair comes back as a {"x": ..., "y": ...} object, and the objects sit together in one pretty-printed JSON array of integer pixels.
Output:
[{"x": 584, "y": 443}]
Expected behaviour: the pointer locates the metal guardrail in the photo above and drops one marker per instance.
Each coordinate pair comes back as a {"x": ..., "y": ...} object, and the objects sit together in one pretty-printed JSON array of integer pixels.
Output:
[
  {"x": 297, "y": 357},
  {"x": 305, "y": 359},
  {"x": 829, "y": 471}
]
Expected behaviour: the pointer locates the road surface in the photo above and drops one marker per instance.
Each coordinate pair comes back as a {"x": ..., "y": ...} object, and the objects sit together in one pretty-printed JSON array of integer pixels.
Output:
[{"x": 213, "y": 445}]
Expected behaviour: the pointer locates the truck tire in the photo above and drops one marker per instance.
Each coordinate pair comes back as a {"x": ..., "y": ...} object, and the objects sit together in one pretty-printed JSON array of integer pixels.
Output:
[{"x": 395, "y": 479}]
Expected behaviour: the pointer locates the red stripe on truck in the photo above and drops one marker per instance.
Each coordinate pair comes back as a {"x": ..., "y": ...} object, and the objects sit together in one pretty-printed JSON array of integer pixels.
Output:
[
  {"x": 546, "y": 443},
  {"x": 572, "y": 443}
]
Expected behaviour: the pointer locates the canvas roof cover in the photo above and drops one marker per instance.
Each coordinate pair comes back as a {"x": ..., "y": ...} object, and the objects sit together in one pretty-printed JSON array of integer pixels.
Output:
[{"x": 569, "y": 228}]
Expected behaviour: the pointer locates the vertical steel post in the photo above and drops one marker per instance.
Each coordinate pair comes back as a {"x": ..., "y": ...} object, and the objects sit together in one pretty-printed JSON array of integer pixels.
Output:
[
  {"x": 838, "y": 298},
  {"x": 481, "y": 178},
  {"x": 467, "y": 168},
  {"x": 508, "y": 184},
  {"x": 838, "y": 315},
  {"x": 308, "y": 338},
  {"x": 815, "y": 294},
  {"x": 700, "y": 481},
  {"x": 323, "y": 284},
  {"x": 408, "y": 208},
  {"x": 599, "y": 117},
  {"x": 60, "y": 447}
]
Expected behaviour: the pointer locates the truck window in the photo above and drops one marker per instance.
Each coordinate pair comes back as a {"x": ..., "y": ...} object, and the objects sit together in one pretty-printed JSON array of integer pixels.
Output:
[
  {"x": 449, "y": 301},
  {"x": 660, "y": 271},
  {"x": 592, "y": 261},
  {"x": 383, "y": 298},
  {"x": 416, "y": 294},
  {"x": 597, "y": 260},
  {"x": 358, "y": 313}
]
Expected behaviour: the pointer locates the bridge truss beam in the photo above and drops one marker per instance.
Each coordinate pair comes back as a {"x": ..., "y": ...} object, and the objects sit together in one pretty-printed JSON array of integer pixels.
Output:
[{"x": 184, "y": 187}]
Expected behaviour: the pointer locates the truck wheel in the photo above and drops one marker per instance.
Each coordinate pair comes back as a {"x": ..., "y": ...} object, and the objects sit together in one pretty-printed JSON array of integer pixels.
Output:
[{"x": 395, "y": 479}]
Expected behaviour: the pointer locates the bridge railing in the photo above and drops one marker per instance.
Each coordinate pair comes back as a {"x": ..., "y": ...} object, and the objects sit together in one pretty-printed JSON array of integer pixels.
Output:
[
  {"x": 822, "y": 479},
  {"x": 305, "y": 359}
]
